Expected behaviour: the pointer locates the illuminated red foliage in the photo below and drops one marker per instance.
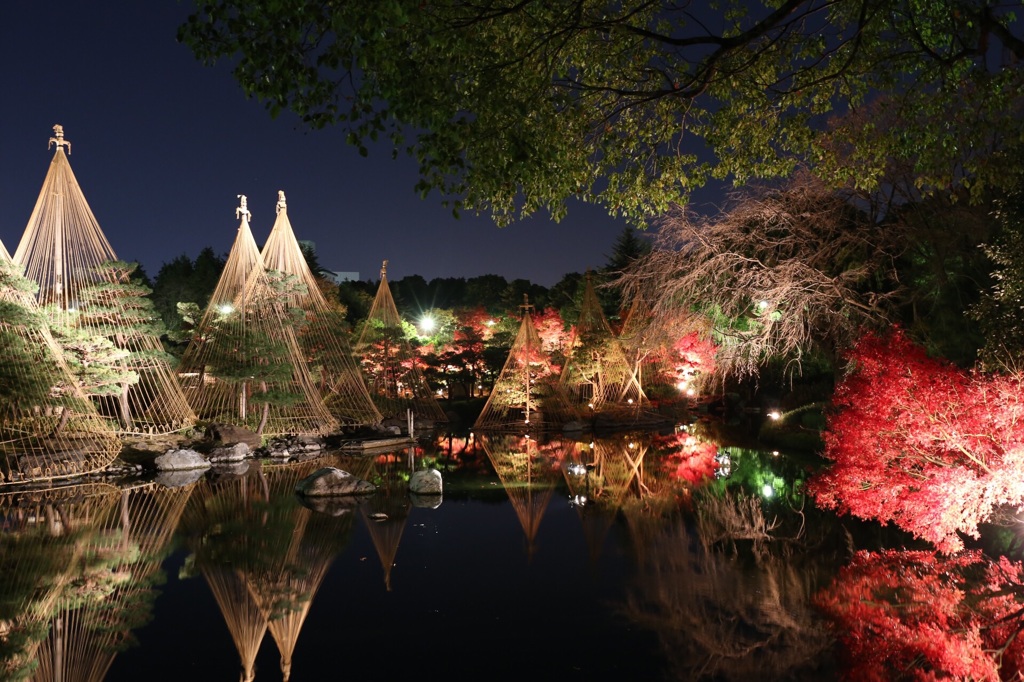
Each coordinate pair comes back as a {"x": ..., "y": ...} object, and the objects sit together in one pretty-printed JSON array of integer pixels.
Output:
[
  {"x": 688, "y": 458},
  {"x": 551, "y": 329},
  {"x": 919, "y": 443},
  {"x": 475, "y": 320},
  {"x": 924, "y": 616},
  {"x": 693, "y": 353}
]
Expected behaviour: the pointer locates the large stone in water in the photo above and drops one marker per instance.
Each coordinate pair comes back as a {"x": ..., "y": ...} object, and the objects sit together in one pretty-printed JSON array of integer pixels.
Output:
[
  {"x": 426, "y": 482},
  {"x": 331, "y": 481},
  {"x": 232, "y": 453},
  {"x": 181, "y": 460}
]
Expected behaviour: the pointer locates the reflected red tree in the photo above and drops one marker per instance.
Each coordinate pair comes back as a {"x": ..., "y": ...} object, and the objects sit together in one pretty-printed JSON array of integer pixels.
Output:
[
  {"x": 922, "y": 444},
  {"x": 688, "y": 458},
  {"x": 924, "y": 616}
]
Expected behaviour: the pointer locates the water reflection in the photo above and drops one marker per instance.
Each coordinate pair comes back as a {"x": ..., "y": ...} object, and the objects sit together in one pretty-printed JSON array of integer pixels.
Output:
[
  {"x": 262, "y": 553},
  {"x": 78, "y": 571},
  {"x": 528, "y": 470},
  {"x": 703, "y": 560}
]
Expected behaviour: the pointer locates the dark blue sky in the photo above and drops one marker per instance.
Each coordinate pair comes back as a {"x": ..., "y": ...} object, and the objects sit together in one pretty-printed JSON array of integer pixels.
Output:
[{"x": 161, "y": 146}]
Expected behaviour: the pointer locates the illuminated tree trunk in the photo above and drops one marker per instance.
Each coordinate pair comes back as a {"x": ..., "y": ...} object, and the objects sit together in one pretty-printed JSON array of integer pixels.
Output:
[
  {"x": 242, "y": 402},
  {"x": 266, "y": 411}
]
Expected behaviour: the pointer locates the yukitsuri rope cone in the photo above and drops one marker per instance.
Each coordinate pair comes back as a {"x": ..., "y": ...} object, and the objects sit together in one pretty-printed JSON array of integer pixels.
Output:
[
  {"x": 217, "y": 527},
  {"x": 389, "y": 364},
  {"x": 527, "y": 472},
  {"x": 387, "y": 512},
  {"x": 298, "y": 546},
  {"x": 114, "y": 585},
  {"x": 243, "y": 365},
  {"x": 88, "y": 292},
  {"x": 526, "y": 395},
  {"x": 48, "y": 427},
  {"x": 43, "y": 547},
  {"x": 322, "y": 335},
  {"x": 597, "y": 377}
]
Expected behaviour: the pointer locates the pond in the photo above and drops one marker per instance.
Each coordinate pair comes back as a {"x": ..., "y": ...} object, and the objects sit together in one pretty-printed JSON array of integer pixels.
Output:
[{"x": 636, "y": 556}]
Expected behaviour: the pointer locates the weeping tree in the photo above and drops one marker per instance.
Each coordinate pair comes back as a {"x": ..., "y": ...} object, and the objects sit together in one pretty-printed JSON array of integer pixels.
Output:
[
  {"x": 783, "y": 273},
  {"x": 796, "y": 273}
]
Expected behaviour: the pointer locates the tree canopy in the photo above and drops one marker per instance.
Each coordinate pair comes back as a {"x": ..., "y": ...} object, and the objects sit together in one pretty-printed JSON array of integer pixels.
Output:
[{"x": 514, "y": 107}]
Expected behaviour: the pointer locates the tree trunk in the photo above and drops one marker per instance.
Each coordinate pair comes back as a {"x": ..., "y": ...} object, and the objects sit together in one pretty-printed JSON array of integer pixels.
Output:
[
  {"x": 266, "y": 411},
  {"x": 123, "y": 407}
]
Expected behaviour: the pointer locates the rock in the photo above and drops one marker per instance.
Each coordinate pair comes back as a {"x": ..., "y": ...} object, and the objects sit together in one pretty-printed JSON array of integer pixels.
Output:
[
  {"x": 425, "y": 501},
  {"x": 180, "y": 478},
  {"x": 233, "y": 453},
  {"x": 330, "y": 481},
  {"x": 228, "y": 470},
  {"x": 333, "y": 506},
  {"x": 181, "y": 460},
  {"x": 229, "y": 434},
  {"x": 292, "y": 446},
  {"x": 426, "y": 482}
]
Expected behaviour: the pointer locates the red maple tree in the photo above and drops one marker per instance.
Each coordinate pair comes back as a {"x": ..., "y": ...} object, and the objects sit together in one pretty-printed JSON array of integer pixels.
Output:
[
  {"x": 920, "y": 615},
  {"x": 690, "y": 356},
  {"x": 924, "y": 445}
]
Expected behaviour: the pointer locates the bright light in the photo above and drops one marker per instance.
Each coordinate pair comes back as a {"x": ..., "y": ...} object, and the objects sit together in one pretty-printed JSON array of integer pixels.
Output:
[
  {"x": 490, "y": 323},
  {"x": 682, "y": 385},
  {"x": 427, "y": 323},
  {"x": 226, "y": 309},
  {"x": 767, "y": 490},
  {"x": 775, "y": 453},
  {"x": 775, "y": 415},
  {"x": 630, "y": 401},
  {"x": 690, "y": 392}
]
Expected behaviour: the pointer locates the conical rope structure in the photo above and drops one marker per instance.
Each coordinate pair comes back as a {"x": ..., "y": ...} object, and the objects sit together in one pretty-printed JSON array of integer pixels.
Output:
[
  {"x": 527, "y": 394},
  {"x": 215, "y": 528},
  {"x": 528, "y": 475},
  {"x": 89, "y": 295},
  {"x": 390, "y": 366},
  {"x": 48, "y": 427},
  {"x": 48, "y": 535},
  {"x": 243, "y": 365},
  {"x": 295, "y": 558},
  {"x": 636, "y": 344},
  {"x": 322, "y": 333},
  {"x": 388, "y": 510},
  {"x": 114, "y": 588},
  {"x": 597, "y": 375}
]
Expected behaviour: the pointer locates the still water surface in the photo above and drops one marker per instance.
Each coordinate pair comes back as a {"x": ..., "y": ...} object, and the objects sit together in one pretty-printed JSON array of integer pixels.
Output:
[{"x": 632, "y": 557}]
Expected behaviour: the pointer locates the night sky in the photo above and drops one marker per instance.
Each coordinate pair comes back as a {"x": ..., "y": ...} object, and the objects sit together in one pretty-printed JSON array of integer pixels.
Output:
[{"x": 161, "y": 146}]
